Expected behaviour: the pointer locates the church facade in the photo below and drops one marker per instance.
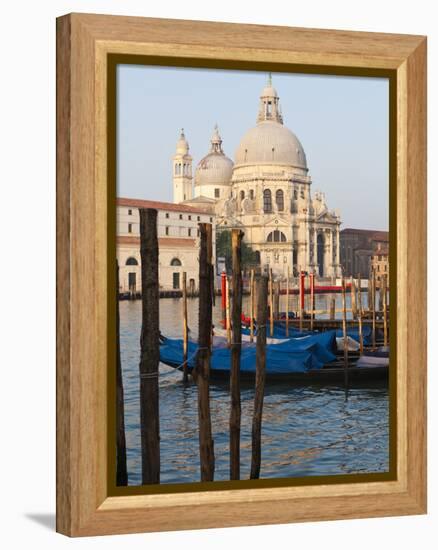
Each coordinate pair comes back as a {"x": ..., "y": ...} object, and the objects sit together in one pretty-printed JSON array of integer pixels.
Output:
[{"x": 266, "y": 192}]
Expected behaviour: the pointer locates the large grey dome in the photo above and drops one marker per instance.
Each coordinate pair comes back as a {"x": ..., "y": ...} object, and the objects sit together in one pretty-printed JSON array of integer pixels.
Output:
[{"x": 271, "y": 143}]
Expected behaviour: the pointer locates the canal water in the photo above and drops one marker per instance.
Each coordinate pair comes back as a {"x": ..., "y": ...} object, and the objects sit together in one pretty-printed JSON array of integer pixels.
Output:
[{"x": 306, "y": 431}]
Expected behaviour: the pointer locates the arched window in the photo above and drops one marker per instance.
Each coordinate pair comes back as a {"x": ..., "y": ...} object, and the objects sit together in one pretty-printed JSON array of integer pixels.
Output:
[
  {"x": 175, "y": 262},
  {"x": 242, "y": 195},
  {"x": 131, "y": 261},
  {"x": 276, "y": 237},
  {"x": 267, "y": 201},
  {"x": 295, "y": 194},
  {"x": 251, "y": 194},
  {"x": 279, "y": 199}
]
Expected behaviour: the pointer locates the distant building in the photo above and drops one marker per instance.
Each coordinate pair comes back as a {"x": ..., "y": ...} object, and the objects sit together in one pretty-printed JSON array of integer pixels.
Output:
[
  {"x": 380, "y": 262},
  {"x": 178, "y": 242},
  {"x": 357, "y": 249}
]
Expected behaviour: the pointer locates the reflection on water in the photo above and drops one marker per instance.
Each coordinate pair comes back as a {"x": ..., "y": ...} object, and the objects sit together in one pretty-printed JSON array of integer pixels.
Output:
[{"x": 306, "y": 430}]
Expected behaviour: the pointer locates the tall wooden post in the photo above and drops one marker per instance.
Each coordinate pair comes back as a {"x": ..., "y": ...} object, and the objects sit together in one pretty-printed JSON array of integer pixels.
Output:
[
  {"x": 185, "y": 328},
  {"x": 301, "y": 299},
  {"x": 235, "y": 413},
  {"x": 287, "y": 301},
  {"x": 359, "y": 299},
  {"x": 353, "y": 298},
  {"x": 261, "y": 290},
  {"x": 150, "y": 352},
  {"x": 277, "y": 300},
  {"x": 252, "y": 311},
  {"x": 228, "y": 310},
  {"x": 312, "y": 299},
  {"x": 332, "y": 308},
  {"x": 202, "y": 374},
  {"x": 271, "y": 304},
  {"x": 121, "y": 467},
  {"x": 373, "y": 306},
  {"x": 385, "y": 310},
  {"x": 224, "y": 299},
  {"x": 344, "y": 331}
]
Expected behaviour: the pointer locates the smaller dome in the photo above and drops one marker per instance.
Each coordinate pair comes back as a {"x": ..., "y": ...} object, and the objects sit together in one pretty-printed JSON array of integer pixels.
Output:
[{"x": 215, "y": 168}]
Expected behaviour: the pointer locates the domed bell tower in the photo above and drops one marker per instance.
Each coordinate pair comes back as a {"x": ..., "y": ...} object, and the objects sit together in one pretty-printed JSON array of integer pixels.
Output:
[{"x": 182, "y": 171}]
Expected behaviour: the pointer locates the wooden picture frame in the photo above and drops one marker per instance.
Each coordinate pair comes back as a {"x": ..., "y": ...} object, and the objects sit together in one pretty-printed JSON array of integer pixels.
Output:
[{"x": 85, "y": 43}]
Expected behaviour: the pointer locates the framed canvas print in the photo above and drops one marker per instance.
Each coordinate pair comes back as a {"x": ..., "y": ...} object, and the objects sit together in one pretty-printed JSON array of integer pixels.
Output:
[{"x": 241, "y": 229}]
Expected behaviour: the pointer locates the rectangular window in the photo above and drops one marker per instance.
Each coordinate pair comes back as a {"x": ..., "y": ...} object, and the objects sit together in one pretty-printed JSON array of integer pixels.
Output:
[
  {"x": 167, "y": 230},
  {"x": 211, "y": 220},
  {"x": 129, "y": 212},
  {"x": 167, "y": 214},
  {"x": 217, "y": 193},
  {"x": 199, "y": 218},
  {"x": 129, "y": 227},
  {"x": 189, "y": 232},
  {"x": 176, "y": 281},
  {"x": 190, "y": 217},
  {"x": 180, "y": 216}
]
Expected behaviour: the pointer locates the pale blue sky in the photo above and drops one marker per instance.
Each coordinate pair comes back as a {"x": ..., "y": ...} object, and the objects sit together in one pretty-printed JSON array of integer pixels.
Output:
[{"x": 342, "y": 123}]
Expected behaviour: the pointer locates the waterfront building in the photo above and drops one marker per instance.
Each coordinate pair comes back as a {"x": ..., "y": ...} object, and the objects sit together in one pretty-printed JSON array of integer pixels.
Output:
[
  {"x": 266, "y": 192},
  {"x": 380, "y": 262},
  {"x": 178, "y": 240},
  {"x": 357, "y": 249}
]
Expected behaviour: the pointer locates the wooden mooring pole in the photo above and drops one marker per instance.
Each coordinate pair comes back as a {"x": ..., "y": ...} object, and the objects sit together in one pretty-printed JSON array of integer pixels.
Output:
[
  {"x": 359, "y": 300},
  {"x": 373, "y": 306},
  {"x": 271, "y": 305},
  {"x": 252, "y": 312},
  {"x": 277, "y": 300},
  {"x": 332, "y": 308},
  {"x": 261, "y": 291},
  {"x": 312, "y": 299},
  {"x": 344, "y": 331},
  {"x": 353, "y": 298},
  {"x": 301, "y": 282},
  {"x": 185, "y": 327},
  {"x": 385, "y": 310},
  {"x": 202, "y": 374},
  {"x": 121, "y": 467},
  {"x": 228, "y": 314},
  {"x": 150, "y": 352},
  {"x": 287, "y": 301},
  {"x": 235, "y": 413}
]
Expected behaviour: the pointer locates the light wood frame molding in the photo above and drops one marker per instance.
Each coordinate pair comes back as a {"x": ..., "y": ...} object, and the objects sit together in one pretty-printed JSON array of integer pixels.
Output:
[{"x": 83, "y": 45}]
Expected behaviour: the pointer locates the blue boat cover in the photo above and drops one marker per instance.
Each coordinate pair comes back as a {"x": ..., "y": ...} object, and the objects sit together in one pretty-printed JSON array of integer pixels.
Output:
[{"x": 295, "y": 355}]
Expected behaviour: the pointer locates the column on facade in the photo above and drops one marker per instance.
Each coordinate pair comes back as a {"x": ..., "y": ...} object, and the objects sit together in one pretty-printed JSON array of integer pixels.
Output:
[
  {"x": 315, "y": 249},
  {"x": 338, "y": 262},
  {"x": 307, "y": 244},
  {"x": 302, "y": 243},
  {"x": 327, "y": 248}
]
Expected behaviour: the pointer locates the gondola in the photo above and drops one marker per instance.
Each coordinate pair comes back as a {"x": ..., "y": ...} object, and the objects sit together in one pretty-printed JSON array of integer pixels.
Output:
[{"x": 306, "y": 360}]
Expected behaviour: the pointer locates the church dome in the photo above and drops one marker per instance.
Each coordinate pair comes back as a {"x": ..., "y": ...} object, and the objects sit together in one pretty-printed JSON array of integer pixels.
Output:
[
  {"x": 215, "y": 168},
  {"x": 270, "y": 143}
]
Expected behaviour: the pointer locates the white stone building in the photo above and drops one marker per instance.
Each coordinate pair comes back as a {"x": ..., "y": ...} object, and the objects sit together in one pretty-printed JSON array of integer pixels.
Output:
[
  {"x": 266, "y": 192},
  {"x": 178, "y": 241}
]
